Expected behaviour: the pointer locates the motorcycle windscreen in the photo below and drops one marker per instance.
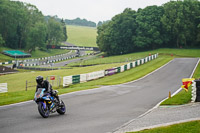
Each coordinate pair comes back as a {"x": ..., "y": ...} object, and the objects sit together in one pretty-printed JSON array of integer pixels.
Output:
[{"x": 39, "y": 93}]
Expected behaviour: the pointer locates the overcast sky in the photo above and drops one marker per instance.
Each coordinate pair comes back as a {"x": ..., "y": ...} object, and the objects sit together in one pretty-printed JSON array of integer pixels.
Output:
[{"x": 93, "y": 10}]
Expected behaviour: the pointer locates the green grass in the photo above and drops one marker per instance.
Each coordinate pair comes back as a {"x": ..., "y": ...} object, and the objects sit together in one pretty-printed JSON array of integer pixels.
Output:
[
  {"x": 4, "y": 58},
  {"x": 78, "y": 35},
  {"x": 113, "y": 59},
  {"x": 139, "y": 55},
  {"x": 82, "y": 36},
  {"x": 180, "y": 52},
  {"x": 15, "y": 97},
  {"x": 182, "y": 97},
  {"x": 131, "y": 74},
  {"x": 187, "y": 127},
  {"x": 16, "y": 82},
  {"x": 34, "y": 54},
  {"x": 197, "y": 72},
  {"x": 50, "y": 52}
]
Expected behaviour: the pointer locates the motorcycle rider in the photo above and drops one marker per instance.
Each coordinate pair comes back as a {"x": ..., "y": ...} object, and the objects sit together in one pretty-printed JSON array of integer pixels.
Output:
[{"x": 48, "y": 88}]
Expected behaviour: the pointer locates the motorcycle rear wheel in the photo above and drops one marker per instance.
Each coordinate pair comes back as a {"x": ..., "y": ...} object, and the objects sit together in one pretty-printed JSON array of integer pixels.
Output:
[{"x": 43, "y": 112}]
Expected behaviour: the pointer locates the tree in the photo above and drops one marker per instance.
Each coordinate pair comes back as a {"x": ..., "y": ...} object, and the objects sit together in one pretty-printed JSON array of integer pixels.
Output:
[
  {"x": 64, "y": 30},
  {"x": 16, "y": 21},
  {"x": 99, "y": 23},
  {"x": 81, "y": 22},
  {"x": 102, "y": 22},
  {"x": 192, "y": 18},
  {"x": 115, "y": 37},
  {"x": 103, "y": 38},
  {"x": 2, "y": 42},
  {"x": 23, "y": 26},
  {"x": 175, "y": 24},
  {"x": 9, "y": 17},
  {"x": 180, "y": 21},
  {"x": 54, "y": 32},
  {"x": 149, "y": 27},
  {"x": 37, "y": 36}
]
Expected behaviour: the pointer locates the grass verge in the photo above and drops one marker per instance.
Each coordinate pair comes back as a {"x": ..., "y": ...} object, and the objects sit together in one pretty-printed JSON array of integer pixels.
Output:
[
  {"x": 187, "y": 127},
  {"x": 48, "y": 53},
  {"x": 183, "y": 97},
  {"x": 16, "y": 82},
  {"x": 138, "y": 55},
  {"x": 17, "y": 92},
  {"x": 34, "y": 54}
]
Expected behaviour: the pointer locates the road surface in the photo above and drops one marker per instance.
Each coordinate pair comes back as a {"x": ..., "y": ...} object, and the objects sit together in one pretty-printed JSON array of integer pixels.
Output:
[{"x": 100, "y": 110}]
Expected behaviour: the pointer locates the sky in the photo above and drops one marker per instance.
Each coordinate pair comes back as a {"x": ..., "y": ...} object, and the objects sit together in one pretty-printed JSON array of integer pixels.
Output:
[{"x": 92, "y": 10}]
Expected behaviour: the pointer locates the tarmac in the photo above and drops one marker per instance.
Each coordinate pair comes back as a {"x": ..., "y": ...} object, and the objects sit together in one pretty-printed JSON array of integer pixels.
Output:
[{"x": 162, "y": 116}]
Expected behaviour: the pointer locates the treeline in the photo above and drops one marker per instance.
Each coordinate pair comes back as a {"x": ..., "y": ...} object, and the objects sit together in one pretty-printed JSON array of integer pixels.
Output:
[
  {"x": 81, "y": 22},
  {"x": 100, "y": 23},
  {"x": 23, "y": 26},
  {"x": 77, "y": 21},
  {"x": 175, "y": 24}
]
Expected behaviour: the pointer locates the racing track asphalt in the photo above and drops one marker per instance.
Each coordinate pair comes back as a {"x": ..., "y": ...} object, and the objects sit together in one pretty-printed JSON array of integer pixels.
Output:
[
  {"x": 64, "y": 63},
  {"x": 99, "y": 110}
]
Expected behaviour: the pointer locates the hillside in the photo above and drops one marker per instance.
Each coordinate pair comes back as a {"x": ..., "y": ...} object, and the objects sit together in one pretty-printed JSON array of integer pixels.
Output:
[{"x": 82, "y": 36}]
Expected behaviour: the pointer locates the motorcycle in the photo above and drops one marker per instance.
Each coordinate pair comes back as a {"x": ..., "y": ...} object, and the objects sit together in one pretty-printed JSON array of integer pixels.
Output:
[{"x": 48, "y": 104}]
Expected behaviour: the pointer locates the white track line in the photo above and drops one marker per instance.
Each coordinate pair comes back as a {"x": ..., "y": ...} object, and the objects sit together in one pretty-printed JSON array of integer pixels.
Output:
[{"x": 159, "y": 102}]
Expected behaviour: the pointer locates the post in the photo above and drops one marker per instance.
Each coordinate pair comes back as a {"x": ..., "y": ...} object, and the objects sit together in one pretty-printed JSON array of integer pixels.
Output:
[
  {"x": 26, "y": 85},
  {"x": 15, "y": 58},
  {"x": 169, "y": 94}
]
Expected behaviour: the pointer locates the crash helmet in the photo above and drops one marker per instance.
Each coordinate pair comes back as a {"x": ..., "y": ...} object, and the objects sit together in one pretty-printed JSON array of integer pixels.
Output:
[{"x": 39, "y": 80}]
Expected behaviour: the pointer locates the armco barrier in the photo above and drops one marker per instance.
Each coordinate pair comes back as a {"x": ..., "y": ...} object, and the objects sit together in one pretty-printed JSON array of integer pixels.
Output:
[
  {"x": 146, "y": 59},
  {"x": 83, "y": 78},
  {"x": 125, "y": 67},
  {"x": 142, "y": 61},
  {"x": 95, "y": 75},
  {"x": 5, "y": 63},
  {"x": 42, "y": 61},
  {"x": 111, "y": 71},
  {"x": 68, "y": 80},
  {"x": 138, "y": 62},
  {"x": 131, "y": 65},
  {"x": 3, "y": 87},
  {"x": 39, "y": 69},
  {"x": 118, "y": 69},
  {"x": 76, "y": 79},
  {"x": 134, "y": 64},
  {"x": 149, "y": 58},
  {"x": 128, "y": 66},
  {"x": 27, "y": 60},
  {"x": 122, "y": 68}
]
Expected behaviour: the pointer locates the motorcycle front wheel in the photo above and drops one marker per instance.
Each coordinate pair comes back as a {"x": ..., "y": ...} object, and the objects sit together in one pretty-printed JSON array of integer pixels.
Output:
[
  {"x": 62, "y": 109},
  {"x": 43, "y": 112}
]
